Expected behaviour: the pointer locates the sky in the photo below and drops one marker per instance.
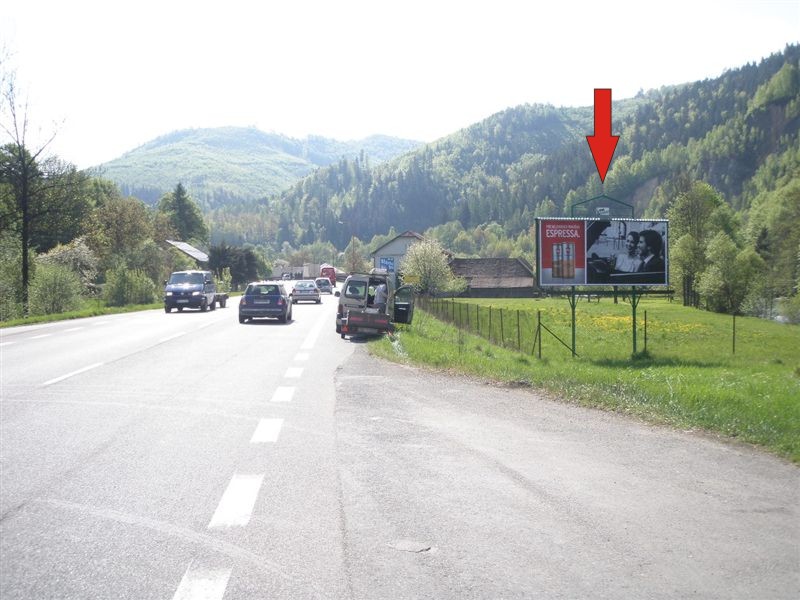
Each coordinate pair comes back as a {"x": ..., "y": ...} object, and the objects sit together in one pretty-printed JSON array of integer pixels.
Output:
[{"x": 103, "y": 77}]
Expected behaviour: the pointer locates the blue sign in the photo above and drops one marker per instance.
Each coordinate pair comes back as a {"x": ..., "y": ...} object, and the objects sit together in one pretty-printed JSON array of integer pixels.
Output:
[{"x": 386, "y": 262}]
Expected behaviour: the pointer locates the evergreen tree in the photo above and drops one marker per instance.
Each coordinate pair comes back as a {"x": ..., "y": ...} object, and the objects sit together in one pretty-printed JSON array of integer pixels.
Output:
[{"x": 184, "y": 215}]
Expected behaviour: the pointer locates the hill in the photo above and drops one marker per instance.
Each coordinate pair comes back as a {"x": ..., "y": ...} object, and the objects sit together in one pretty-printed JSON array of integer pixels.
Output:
[
  {"x": 738, "y": 133},
  {"x": 234, "y": 164}
]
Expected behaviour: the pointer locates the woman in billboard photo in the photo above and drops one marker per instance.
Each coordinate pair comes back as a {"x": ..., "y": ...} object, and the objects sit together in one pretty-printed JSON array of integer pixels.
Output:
[{"x": 629, "y": 261}]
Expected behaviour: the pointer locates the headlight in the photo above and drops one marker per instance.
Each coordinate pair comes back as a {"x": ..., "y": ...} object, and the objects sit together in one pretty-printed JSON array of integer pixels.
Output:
[
  {"x": 168, "y": 293},
  {"x": 195, "y": 293}
]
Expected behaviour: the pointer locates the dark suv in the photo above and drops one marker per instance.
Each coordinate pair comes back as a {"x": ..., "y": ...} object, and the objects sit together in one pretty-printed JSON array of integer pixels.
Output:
[{"x": 193, "y": 289}]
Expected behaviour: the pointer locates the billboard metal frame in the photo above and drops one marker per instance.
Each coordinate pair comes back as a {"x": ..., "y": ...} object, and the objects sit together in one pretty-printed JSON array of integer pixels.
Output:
[{"x": 578, "y": 252}]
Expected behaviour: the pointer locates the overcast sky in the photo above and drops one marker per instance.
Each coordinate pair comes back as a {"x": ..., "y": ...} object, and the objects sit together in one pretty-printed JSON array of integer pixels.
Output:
[{"x": 108, "y": 76}]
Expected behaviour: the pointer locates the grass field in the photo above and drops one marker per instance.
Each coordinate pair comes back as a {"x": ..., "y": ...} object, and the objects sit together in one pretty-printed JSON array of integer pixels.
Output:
[{"x": 689, "y": 377}]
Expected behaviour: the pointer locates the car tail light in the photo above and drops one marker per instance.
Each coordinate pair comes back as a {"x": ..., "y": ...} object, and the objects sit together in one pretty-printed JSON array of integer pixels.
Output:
[
  {"x": 243, "y": 301},
  {"x": 280, "y": 301}
]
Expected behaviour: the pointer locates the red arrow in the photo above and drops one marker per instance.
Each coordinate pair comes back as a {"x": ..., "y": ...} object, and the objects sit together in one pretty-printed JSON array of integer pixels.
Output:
[{"x": 602, "y": 143}]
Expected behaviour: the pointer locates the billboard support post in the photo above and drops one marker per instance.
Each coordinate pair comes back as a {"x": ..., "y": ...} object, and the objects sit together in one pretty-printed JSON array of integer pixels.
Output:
[
  {"x": 572, "y": 302},
  {"x": 634, "y": 303}
]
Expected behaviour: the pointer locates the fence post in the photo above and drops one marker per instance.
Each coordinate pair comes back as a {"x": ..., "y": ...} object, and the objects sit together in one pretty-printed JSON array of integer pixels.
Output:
[
  {"x": 502, "y": 331},
  {"x": 478, "y": 317},
  {"x": 539, "y": 330},
  {"x": 490, "y": 323},
  {"x": 734, "y": 333},
  {"x": 519, "y": 338}
]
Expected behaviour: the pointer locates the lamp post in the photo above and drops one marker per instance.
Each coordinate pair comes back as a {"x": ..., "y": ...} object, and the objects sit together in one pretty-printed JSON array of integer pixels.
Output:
[{"x": 352, "y": 263}]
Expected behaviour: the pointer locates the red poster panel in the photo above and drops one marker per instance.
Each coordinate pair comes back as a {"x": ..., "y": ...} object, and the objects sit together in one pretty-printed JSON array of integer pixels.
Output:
[{"x": 562, "y": 252}]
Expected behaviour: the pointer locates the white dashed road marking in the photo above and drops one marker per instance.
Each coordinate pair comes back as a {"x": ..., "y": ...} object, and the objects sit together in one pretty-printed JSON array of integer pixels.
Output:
[
  {"x": 312, "y": 336},
  {"x": 268, "y": 430},
  {"x": 38, "y": 337},
  {"x": 237, "y": 502},
  {"x": 202, "y": 584},
  {"x": 68, "y": 375},
  {"x": 283, "y": 394}
]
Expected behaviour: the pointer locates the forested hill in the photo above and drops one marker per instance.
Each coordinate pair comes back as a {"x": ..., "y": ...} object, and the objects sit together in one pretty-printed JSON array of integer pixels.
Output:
[
  {"x": 737, "y": 132},
  {"x": 234, "y": 165}
]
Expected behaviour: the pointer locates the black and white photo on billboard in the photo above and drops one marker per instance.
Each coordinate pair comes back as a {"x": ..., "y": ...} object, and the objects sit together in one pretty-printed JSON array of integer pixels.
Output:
[{"x": 626, "y": 252}]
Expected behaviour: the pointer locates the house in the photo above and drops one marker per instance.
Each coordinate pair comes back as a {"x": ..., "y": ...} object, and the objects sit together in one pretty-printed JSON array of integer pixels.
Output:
[
  {"x": 390, "y": 255},
  {"x": 496, "y": 277}
]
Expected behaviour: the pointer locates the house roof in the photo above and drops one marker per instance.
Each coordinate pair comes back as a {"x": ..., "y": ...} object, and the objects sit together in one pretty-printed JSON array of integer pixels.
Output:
[
  {"x": 406, "y": 234},
  {"x": 494, "y": 272}
]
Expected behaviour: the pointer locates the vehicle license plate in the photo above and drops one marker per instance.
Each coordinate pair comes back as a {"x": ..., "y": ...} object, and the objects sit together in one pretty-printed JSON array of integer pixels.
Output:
[
  {"x": 183, "y": 301},
  {"x": 262, "y": 301}
]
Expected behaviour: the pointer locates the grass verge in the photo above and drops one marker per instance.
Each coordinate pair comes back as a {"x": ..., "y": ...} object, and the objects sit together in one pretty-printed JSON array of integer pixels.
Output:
[{"x": 689, "y": 377}]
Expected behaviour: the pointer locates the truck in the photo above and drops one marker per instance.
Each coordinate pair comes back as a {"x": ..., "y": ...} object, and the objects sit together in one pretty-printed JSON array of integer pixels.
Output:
[
  {"x": 329, "y": 271},
  {"x": 192, "y": 289},
  {"x": 357, "y": 312},
  {"x": 310, "y": 271}
]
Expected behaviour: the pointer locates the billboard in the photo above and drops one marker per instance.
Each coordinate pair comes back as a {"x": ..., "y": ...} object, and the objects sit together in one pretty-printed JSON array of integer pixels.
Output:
[{"x": 573, "y": 252}]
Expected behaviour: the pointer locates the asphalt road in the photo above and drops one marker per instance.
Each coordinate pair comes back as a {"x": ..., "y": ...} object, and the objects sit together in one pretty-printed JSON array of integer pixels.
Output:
[{"x": 186, "y": 456}]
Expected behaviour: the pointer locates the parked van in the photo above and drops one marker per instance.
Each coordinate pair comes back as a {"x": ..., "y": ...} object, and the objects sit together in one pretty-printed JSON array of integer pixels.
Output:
[
  {"x": 357, "y": 311},
  {"x": 328, "y": 271}
]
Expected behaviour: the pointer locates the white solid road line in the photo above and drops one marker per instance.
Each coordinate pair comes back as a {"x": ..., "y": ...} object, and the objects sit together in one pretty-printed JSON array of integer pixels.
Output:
[
  {"x": 68, "y": 375},
  {"x": 267, "y": 431},
  {"x": 237, "y": 502},
  {"x": 282, "y": 394},
  {"x": 202, "y": 584}
]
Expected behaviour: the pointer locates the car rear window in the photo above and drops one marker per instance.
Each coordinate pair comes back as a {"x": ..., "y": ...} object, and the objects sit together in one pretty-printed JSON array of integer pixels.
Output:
[
  {"x": 356, "y": 289},
  {"x": 263, "y": 290}
]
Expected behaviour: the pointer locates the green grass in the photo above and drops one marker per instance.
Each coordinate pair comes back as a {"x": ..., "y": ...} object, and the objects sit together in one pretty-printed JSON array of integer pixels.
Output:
[
  {"x": 689, "y": 376},
  {"x": 93, "y": 308}
]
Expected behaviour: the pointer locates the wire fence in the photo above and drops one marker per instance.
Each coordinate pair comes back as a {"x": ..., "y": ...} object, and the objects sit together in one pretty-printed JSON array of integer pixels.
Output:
[{"x": 521, "y": 330}]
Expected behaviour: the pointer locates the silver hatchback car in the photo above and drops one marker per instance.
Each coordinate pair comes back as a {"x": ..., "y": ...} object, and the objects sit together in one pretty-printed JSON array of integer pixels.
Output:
[
  {"x": 305, "y": 290},
  {"x": 324, "y": 285}
]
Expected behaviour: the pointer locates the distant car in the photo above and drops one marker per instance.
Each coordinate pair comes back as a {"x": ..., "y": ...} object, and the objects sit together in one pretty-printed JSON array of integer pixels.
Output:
[
  {"x": 306, "y": 290},
  {"x": 324, "y": 285},
  {"x": 286, "y": 276},
  {"x": 265, "y": 299}
]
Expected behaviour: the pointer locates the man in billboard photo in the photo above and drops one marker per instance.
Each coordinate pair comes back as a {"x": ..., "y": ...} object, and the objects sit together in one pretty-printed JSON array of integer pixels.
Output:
[{"x": 650, "y": 249}]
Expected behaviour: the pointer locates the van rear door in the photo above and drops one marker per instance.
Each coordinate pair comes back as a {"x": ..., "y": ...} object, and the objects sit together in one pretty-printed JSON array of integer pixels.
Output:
[{"x": 404, "y": 304}]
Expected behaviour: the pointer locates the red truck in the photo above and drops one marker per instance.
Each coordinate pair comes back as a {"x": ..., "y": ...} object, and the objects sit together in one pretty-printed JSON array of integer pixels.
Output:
[{"x": 329, "y": 272}]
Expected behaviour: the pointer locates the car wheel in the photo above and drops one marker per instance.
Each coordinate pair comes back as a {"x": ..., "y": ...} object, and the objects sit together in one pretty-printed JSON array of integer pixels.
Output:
[
  {"x": 319, "y": 300},
  {"x": 204, "y": 305},
  {"x": 180, "y": 309},
  {"x": 167, "y": 309},
  {"x": 242, "y": 319},
  {"x": 222, "y": 302}
]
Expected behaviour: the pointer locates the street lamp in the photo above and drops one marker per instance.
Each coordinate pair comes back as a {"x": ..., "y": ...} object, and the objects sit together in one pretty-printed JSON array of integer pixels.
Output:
[{"x": 352, "y": 265}]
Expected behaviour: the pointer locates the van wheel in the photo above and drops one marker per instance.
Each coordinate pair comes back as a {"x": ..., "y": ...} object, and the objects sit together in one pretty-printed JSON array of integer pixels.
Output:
[
  {"x": 213, "y": 305},
  {"x": 222, "y": 302},
  {"x": 204, "y": 305}
]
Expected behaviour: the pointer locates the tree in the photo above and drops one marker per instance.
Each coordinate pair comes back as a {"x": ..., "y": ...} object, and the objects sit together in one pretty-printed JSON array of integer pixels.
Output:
[
  {"x": 730, "y": 274},
  {"x": 43, "y": 200},
  {"x": 184, "y": 215},
  {"x": 427, "y": 263},
  {"x": 691, "y": 224}
]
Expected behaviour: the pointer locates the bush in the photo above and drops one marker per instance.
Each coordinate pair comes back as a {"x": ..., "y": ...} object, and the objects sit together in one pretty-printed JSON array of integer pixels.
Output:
[
  {"x": 125, "y": 286},
  {"x": 54, "y": 289}
]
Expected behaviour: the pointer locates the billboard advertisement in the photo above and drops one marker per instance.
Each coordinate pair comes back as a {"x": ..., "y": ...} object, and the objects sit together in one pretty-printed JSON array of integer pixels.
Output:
[{"x": 580, "y": 252}]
